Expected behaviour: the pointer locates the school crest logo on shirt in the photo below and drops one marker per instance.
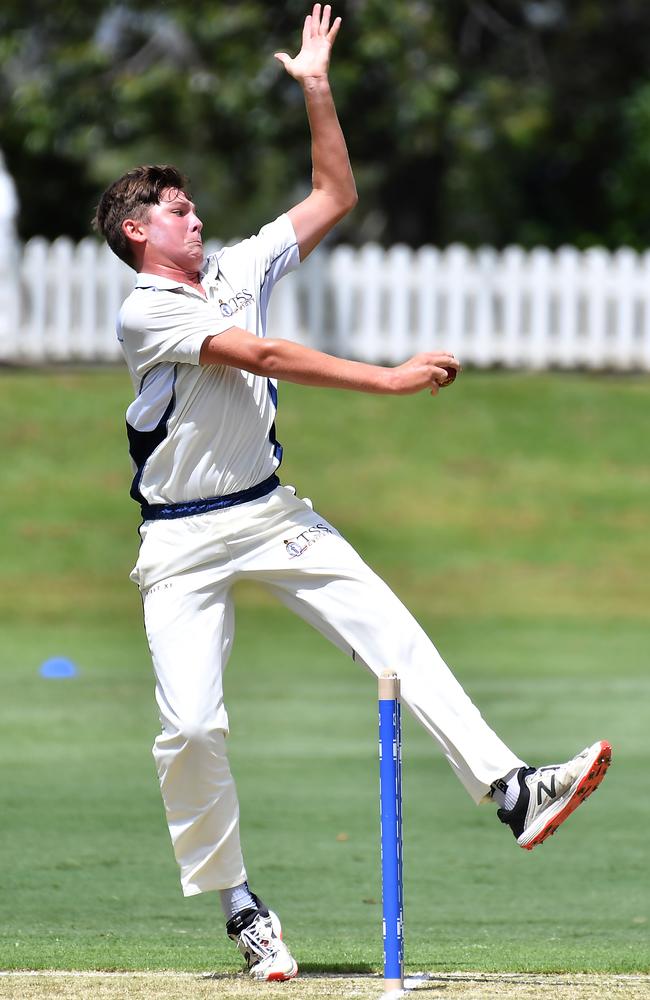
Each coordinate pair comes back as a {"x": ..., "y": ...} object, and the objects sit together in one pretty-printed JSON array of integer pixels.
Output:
[
  {"x": 237, "y": 302},
  {"x": 296, "y": 546}
]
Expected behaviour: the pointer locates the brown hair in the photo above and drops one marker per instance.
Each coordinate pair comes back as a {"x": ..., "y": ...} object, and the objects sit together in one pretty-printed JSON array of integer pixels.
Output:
[{"x": 130, "y": 197}]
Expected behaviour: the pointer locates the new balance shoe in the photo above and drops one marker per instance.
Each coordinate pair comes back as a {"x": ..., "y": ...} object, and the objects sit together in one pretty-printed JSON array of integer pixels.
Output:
[
  {"x": 258, "y": 935},
  {"x": 548, "y": 795}
]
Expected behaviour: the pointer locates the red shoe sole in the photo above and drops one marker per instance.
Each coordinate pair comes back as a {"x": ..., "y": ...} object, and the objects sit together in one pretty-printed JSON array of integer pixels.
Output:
[
  {"x": 585, "y": 787},
  {"x": 281, "y": 977}
]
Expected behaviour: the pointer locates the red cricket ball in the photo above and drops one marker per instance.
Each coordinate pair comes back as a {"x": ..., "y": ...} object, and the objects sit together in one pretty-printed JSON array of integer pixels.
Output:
[{"x": 451, "y": 375}]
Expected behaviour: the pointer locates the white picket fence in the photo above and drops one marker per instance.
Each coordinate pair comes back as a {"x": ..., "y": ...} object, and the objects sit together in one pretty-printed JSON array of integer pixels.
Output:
[{"x": 537, "y": 309}]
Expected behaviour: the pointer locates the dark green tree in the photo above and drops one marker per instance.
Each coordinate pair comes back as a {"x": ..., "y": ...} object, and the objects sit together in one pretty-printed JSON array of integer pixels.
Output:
[{"x": 468, "y": 120}]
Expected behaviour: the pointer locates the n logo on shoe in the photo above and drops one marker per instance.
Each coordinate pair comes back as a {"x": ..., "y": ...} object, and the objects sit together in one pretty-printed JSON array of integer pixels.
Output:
[{"x": 550, "y": 791}]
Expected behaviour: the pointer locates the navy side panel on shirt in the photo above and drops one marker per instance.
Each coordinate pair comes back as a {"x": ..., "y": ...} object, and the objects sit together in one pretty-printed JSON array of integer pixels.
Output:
[{"x": 143, "y": 443}]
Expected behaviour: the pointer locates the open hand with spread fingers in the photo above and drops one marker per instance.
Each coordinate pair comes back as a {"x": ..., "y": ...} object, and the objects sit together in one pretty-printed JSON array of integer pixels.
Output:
[{"x": 317, "y": 40}]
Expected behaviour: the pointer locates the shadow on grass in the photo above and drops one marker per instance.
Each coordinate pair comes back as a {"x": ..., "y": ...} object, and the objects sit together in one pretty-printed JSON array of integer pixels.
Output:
[{"x": 315, "y": 968}]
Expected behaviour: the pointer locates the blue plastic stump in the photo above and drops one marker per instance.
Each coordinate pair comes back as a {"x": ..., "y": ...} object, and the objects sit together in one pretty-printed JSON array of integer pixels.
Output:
[{"x": 390, "y": 795}]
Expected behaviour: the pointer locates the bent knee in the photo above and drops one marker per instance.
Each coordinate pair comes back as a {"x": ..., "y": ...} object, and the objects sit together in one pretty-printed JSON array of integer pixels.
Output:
[{"x": 195, "y": 732}]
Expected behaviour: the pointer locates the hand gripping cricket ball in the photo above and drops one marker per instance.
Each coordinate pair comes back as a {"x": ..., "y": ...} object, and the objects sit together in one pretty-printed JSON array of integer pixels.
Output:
[{"x": 451, "y": 375}]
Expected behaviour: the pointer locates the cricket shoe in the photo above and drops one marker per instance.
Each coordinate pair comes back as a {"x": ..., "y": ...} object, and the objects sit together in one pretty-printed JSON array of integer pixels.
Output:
[
  {"x": 258, "y": 935},
  {"x": 549, "y": 794}
]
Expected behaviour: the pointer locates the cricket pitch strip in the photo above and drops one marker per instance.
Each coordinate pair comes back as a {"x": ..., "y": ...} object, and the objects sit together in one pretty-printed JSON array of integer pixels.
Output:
[{"x": 310, "y": 986}]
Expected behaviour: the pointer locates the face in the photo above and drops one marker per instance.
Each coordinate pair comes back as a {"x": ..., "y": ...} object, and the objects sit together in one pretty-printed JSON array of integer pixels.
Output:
[{"x": 171, "y": 233}]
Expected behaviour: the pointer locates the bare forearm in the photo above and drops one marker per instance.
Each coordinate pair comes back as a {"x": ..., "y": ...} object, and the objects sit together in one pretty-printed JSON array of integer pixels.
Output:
[
  {"x": 290, "y": 362},
  {"x": 333, "y": 191},
  {"x": 331, "y": 170}
]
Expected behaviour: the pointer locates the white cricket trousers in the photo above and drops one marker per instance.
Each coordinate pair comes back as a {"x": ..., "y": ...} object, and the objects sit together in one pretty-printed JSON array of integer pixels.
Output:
[{"x": 185, "y": 570}]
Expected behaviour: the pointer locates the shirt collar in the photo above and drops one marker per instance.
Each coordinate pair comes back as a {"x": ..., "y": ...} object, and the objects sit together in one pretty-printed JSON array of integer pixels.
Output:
[{"x": 146, "y": 280}]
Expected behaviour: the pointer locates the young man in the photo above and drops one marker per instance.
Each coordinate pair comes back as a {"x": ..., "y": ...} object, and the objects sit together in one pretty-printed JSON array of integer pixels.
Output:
[{"x": 202, "y": 438}]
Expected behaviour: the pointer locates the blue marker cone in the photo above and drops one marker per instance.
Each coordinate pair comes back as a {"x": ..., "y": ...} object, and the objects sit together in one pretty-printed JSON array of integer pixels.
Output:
[{"x": 58, "y": 667}]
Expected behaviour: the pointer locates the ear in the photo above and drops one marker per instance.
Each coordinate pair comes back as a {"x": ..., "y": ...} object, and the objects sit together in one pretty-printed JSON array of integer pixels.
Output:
[{"x": 134, "y": 230}]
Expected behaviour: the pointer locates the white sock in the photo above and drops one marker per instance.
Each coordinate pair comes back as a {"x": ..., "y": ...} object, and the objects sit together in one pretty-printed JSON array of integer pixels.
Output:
[
  {"x": 235, "y": 900},
  {"x": 505, "y": 791}
]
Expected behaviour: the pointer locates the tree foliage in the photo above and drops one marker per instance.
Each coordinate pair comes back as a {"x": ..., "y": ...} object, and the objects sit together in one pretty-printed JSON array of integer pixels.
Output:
[{"x": 483, "y": 121}]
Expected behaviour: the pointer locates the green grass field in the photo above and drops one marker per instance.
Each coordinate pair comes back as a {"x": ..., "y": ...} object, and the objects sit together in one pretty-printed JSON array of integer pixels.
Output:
[{"x": 512, "y": 515}]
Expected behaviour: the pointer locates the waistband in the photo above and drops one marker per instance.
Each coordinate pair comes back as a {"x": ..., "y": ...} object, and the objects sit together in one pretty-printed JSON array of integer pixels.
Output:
[{"x": 167, "y": 511}]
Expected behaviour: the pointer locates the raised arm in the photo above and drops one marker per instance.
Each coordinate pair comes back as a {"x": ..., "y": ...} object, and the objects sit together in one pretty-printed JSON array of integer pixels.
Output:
[
  {"x": 334, "y": 192},
  {"x": 291, "y": 362}
]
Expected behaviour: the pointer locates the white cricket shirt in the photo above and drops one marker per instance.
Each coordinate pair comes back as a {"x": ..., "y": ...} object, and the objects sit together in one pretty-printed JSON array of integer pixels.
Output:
[{"x": 198, "y": 432}]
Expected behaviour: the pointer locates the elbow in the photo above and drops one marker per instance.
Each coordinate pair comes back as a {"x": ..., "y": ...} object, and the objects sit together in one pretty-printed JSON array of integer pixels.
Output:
[
  {"x": 342, "y": 200},
  {"x": 353, "y": 199},
  {"x": 345, "y": 202},
  {"x": 349, "y": 199},
  {"x": 268, "y": 358}
]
